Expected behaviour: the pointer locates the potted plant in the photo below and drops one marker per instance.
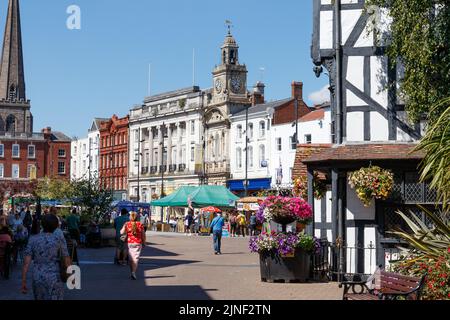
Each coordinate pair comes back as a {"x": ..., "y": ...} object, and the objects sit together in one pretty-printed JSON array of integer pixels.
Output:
[
  {"x": 372, "y": 182},
  {"x": 284, "y": 256}
]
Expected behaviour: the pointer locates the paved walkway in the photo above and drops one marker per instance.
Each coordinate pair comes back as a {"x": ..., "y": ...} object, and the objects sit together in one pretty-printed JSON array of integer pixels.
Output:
[{"x": 176, "y": 267}]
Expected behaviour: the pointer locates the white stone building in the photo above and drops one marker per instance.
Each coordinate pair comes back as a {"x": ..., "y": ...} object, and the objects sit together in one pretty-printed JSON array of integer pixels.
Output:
[
  {"x": 165, "y": 143},
  {"x": 85, "y": 153}
]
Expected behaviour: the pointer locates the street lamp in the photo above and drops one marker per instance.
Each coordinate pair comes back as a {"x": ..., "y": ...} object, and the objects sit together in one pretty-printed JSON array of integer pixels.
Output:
[
  {"x": 162, "y": 168},
  {"x": 138, "y": 160},
  {"x": 246, "y": 152}
]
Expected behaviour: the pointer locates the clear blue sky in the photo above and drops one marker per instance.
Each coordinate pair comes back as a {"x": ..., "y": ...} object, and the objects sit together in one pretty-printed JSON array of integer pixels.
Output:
[{"x": 73, "y": 76}]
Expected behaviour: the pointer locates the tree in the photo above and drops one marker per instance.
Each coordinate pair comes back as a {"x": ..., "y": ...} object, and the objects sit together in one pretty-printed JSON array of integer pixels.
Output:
[
  {"x": 420, "y": 37},
  {"x": 54, "y": 189},
  {"x": 94, "y": 199}
]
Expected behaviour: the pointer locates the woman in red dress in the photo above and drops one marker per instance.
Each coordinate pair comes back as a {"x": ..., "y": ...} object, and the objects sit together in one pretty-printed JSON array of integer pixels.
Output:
[{"x": 136, "y": 240}]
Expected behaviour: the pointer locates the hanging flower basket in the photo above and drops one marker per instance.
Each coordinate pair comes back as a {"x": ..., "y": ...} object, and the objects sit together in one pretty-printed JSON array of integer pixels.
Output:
[
  {"x": 284, "y": 210},
  {"x": 372, "y": 182},
  {"x": 301, "y": 187}
]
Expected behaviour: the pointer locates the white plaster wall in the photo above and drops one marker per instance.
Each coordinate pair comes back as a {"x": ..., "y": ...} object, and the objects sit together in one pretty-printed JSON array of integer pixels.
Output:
[
  {"x": 317, "y": 233},
  {"x": 353, "y": 100},
  {"x": 319, "y": 134},
  {"x": 286, "y": 156},
  {"x": 329, "y": 203},
  {"x": 256, "y": 171},
  {"x": 326, "y": 30},
  {"x": 379, "y": 129},
  {"x": 355, "y": 208},
  {"x": 402, "y": 135},
  {"x": 349, "y": 20},
  {"x": 355, "y": 126},
  {"x": 355, "y": 71},
  {"x": 77, "y": 172},
  {"x": 330, "y": 236},
  {"x": 351, "y": 241},
  {"x": 366, "y": 39},
  {"x": 378, "y": 75},
  {"x": 317, "y": 210},
  {"x": 370, "y": 258}
]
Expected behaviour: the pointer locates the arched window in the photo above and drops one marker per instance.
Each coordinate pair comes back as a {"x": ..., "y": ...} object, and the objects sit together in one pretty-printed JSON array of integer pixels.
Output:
[
  {"x": 12, "y": 92},
  {"x": 262, "y": 154},
  {"x": 10, "y": 123},
  {"x": 224, "y": 57},
  {"x": 239, "y": 132},
  {"x": 250, "y": 157},
  {"x": 250, "y": 130},
  {"x": 262, "y": 129},
  {"x": 239, "y": 158},
  {"x": 217, "y": 145},
  {"x": 232, "y": 56}
]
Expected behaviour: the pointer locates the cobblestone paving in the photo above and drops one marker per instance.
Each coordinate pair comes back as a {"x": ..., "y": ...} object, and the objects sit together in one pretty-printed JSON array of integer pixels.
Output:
[{"x": 180, "y": 267}]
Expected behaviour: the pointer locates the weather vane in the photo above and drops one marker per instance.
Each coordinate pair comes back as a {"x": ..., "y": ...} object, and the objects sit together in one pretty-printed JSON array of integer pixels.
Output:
[{"x": 229, "y": 25}]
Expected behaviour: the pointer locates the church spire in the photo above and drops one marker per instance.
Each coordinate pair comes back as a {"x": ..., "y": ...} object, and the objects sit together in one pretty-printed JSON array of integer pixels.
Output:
[{"x": 12, "y": 79}]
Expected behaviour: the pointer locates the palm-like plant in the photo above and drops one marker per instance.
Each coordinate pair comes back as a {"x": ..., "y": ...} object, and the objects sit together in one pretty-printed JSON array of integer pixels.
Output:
[
  {"x": 431, "y": 242},
  {"x": 436, "y": 145}
]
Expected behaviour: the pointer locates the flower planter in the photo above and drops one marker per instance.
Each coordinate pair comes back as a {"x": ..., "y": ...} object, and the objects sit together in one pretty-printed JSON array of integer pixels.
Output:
[{"x": 275, "y": 268}]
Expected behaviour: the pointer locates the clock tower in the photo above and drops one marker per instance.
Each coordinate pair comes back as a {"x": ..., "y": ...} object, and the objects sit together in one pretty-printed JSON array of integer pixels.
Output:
[
  {"x": 229, "y": 95},
  {"x": 230, "y": 78}
]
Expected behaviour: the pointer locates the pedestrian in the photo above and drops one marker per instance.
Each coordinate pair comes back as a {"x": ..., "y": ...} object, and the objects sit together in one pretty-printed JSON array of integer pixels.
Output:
[
  {"x": 173, "y": 224},
  {"x": 253, "y": 223},
  {"x": 143, "y": 218},
  {"x": 73, "y": 225},
  {"x": 242, "y": 223},
  {"x": 5, "y": 241},
  {"x": 16, "y": 222},
  {"x": 233, "y": 224},
  {"x": 28, "y": 221},
  {"x": 46, "y": 250},
  {"x": 20, "y": 242},
  {"x": 121, "y": 250},
  {"x": 216, "y": 228},
  {"x": 196, "y": 223},
  {"x": 188, "y": 220},
  {"x": 136, "y": 240}
]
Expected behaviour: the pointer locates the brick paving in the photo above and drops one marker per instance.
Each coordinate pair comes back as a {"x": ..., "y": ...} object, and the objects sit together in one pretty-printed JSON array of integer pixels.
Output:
[{"x": 181, "y": 268}]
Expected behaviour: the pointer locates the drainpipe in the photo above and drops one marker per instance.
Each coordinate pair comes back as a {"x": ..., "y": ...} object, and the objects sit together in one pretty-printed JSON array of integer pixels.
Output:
[{"x": 338, "y": 53}]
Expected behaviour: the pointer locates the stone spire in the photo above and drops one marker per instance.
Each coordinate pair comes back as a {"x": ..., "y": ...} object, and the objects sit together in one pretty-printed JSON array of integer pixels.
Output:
[{"x": 12, "y": 79}]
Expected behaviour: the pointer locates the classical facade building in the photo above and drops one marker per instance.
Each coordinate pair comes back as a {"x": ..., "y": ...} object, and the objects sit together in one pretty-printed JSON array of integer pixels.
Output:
[
  {"x": 369, "y": 128},
  {"x": 86, "y": 153},
  {"x": 166, "y": 143},
  {"x": 24, "y": 154},
  {"x": 113, "y": 160},
  {"x": 228, "y": 96}
]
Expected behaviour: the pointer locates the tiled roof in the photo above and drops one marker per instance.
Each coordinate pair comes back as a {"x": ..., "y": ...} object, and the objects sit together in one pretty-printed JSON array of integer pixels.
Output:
[
  {"x": 59, "y": 136},
  {"x": 304, "y": 151},
  {"x": 313, "y": 115},
  {"x": 264, "y": 106},
  {"x": 355, "y": 152}
]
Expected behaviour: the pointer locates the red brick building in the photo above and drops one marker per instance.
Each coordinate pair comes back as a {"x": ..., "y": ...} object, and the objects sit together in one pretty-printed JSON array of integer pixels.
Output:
[
  {"x": 285, "y": 113},
  {"x": 25, "y": 156},
  {"x": 113, "y": 166}
]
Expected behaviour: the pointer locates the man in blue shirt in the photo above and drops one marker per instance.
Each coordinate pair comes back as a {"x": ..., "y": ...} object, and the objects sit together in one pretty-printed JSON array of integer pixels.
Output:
[
  {"x": 121, "y": 251},
  {"x": 217, "y": 226}
]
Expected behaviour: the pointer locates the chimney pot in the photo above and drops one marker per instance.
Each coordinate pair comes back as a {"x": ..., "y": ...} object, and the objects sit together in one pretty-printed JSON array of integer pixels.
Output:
[{"x": 297, "y": 90}]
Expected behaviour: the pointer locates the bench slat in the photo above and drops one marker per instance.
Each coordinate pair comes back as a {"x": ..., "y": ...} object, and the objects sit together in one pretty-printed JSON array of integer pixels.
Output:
[
  {"x": 400, "y": 276},
  {"x": 396, "y": 287}
]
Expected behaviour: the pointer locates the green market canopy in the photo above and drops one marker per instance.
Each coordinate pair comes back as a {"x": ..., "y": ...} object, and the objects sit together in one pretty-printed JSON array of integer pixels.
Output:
[
  {"x": 178, "y": 198},
  {"x": 199, "y": 197}
]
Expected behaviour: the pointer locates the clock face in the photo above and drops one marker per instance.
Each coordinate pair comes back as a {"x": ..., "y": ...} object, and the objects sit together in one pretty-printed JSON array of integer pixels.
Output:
[
  {"x": 218, "y": 85},
  {"x": 236, "y": 84}
]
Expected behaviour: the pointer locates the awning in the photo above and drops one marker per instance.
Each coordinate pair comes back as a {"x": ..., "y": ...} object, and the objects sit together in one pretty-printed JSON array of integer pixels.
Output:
[
  {"x": 175, "y": 199},
  {"x": 253, "y": 184},
  {"x": 217, "y": 196}
]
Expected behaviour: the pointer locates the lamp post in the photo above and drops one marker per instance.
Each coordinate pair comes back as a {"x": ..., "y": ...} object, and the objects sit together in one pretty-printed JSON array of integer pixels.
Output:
[
  {"x": 138, "y": 160},
  {"x": 246, "y": 152},
  {"x": 163, "y": 133}
]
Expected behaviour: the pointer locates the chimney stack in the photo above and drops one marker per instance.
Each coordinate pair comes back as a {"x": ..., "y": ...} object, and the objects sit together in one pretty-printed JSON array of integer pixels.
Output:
[
  {"x": 297, "y": 90},
  {"x": 258, "y": 94}
]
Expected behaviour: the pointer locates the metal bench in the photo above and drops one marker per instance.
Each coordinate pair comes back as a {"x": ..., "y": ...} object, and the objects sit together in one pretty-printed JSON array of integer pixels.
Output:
[{"x": 392, "y": 286}]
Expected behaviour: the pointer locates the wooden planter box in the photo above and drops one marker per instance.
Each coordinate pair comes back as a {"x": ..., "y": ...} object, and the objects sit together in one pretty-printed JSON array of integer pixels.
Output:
[{"x": 275, "y": 268}]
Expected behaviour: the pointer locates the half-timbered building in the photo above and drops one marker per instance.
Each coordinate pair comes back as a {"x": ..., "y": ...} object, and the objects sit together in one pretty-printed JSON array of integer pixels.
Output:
[{"x": 369, "y": 127}]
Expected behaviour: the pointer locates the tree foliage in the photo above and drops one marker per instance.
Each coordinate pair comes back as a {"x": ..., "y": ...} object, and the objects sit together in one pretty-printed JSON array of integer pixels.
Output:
[
  {"x": 420, "y": 37},
  {"x": 54, "y": 189}
]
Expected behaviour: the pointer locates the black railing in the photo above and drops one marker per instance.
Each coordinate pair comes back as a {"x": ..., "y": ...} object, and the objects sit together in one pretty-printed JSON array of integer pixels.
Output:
[
  {"x": 172, "y": 168},
  {"x": 181, "y": 167},
  {"x": 162, "y": 168},
  {"x": 144, "y": 170},
  {"x": 153, "y": 169}
]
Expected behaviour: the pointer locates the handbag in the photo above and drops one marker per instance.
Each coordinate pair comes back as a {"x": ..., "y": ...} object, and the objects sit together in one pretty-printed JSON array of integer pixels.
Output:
[
  {"x": 124, "y": 237},
  {"x": 63, "y": 267}
]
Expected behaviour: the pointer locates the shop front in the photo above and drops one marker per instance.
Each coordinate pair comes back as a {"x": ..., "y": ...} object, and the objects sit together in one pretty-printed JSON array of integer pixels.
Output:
[{"x": 254, "y": 186}]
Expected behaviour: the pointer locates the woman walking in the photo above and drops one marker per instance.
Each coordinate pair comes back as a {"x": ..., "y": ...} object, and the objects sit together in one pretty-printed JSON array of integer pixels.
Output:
[
  {"x": 136, "y": 240},
  {"x": 45, "y": 250}
]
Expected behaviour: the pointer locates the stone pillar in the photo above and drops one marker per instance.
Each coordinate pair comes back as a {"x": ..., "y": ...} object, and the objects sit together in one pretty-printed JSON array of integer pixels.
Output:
[
  {"x": 160, "y": 149},
  {"x": 169, "y": 146},
  {"x": 150, "y": 147},
  {"x": 227, "y": 152}
]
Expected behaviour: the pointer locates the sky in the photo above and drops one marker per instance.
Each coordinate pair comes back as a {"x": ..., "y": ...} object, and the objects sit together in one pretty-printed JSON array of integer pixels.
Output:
[{"x": 73, "y": 76}]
